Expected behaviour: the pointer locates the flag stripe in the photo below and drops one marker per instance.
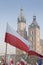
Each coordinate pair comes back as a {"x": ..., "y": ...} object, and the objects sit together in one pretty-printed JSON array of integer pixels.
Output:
[{"x": 34, "y": 53}]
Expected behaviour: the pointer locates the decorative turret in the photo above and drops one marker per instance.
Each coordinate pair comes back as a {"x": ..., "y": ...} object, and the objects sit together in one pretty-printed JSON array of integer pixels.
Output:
[
  {"x": 21, "y": 21},
  {"x": 34, "y": 23},
  {"x": 21, "y": 17}
]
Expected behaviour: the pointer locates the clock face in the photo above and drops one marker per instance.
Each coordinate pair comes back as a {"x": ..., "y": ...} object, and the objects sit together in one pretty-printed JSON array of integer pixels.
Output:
[{"x": 23, "y": 25}]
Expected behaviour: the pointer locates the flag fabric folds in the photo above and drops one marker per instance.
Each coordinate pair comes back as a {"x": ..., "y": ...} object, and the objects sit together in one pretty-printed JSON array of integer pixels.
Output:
[{"x": 14, "y": 39}]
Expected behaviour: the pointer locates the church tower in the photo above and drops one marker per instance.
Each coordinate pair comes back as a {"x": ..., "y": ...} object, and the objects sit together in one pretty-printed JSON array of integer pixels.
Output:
[
  {"x": 34, "y": 35},
  {"x": 21, "y": 27}
]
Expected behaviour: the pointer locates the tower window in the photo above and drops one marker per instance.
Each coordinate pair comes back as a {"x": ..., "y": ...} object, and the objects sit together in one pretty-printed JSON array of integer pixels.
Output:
[
  {"x": 31, "y": 32},
  {"x": 32, "y": 38}
]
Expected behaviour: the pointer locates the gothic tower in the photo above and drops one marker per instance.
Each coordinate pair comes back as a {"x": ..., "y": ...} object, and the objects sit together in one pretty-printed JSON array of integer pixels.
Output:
[
  {"x": 34, "y": 35},
  {"x": 21, "y": 27}
]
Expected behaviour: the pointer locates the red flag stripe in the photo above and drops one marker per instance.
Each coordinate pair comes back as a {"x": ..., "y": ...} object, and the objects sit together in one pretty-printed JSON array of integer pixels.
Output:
[
  {"x": 16, "y": 42},
  {"x": 34, "y": 53}
]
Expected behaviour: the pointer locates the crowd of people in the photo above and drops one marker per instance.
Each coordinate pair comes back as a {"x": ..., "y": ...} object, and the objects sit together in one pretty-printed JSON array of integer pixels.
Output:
[{"x": 2, "y": 62}]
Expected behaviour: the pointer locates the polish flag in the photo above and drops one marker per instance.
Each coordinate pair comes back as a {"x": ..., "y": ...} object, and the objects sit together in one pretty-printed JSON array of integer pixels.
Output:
[
  {"x": 11, "y": 61},
  {"x": 14, "y": 39},
  {"x": 32, "y": 52},
  {"x": 23, "y": 62},
  {"x": 18, "y": 63}
]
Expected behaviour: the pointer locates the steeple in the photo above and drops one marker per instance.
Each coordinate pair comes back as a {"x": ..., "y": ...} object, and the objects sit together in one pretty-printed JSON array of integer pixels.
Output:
[
  {"x": 21, "y": 17},
  {"x": 34, "y": 22},
  {"x": 34, "y": 18}
]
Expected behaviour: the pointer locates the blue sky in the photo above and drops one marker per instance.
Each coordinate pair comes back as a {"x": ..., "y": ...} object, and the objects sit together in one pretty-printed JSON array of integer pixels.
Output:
[
  {"x": 9, "y": 12},
  {"x": 10, "y": 9}
]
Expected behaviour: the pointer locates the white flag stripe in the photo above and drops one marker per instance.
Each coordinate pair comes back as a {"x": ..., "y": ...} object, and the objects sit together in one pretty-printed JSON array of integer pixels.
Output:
[{"x": 11, "y": 31}]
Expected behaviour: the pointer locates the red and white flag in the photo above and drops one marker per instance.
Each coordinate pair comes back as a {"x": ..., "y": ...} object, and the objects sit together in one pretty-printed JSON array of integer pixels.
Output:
[
  {"x": 18, "y": 63},
  {"x": 13, "y": 38},
  {"x": 23, "y": 62},
  {"x": 11, "y": 61}
]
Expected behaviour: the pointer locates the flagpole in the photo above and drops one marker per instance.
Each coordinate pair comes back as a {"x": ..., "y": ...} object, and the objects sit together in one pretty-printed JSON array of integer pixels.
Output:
[
  {"x": 5, "y": 53},
  {"x": 28, "y": 57}
]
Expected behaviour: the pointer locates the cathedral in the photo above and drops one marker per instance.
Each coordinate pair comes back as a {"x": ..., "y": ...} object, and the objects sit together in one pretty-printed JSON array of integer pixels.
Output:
[
  {"x": 33, "y": 33},
  {"x": 32, "y": 36}
]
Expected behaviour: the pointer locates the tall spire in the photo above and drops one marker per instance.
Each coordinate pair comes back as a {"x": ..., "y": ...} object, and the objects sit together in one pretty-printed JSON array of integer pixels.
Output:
[
  {"x": 34, "y": 22},
  {"x": 21, "y": 17}
]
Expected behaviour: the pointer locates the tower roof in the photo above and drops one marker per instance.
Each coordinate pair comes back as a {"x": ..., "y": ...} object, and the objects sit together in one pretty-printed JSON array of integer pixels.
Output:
[
  {"x": 21, "y": 17},
  {"x": 34, "y": 22}
]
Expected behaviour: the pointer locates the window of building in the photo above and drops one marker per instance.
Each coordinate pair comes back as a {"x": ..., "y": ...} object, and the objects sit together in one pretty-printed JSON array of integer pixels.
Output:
[
  {"x": 31, "y": 32},
  {"x": 32, "y": 38}
]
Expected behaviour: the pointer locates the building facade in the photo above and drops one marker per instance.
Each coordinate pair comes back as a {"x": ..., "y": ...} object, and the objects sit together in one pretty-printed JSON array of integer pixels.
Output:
[{"x": 33, "y": 32}]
